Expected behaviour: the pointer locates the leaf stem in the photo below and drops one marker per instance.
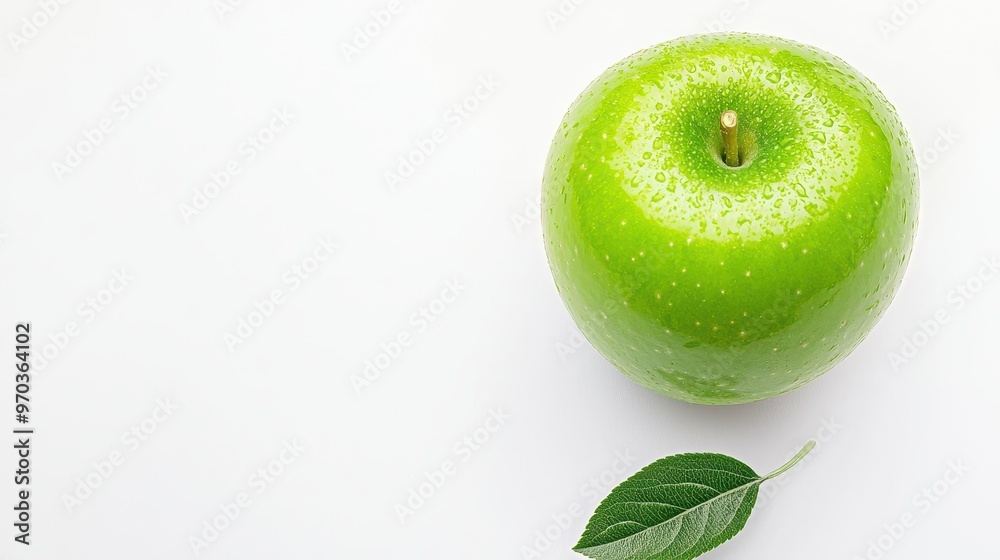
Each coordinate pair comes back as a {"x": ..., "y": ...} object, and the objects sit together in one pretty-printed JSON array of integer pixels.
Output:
[{"x": 795, "y": 460}]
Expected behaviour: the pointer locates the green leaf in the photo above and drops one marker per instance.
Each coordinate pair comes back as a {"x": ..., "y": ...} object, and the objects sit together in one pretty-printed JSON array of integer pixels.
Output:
[{"x": 677, "y": 508}]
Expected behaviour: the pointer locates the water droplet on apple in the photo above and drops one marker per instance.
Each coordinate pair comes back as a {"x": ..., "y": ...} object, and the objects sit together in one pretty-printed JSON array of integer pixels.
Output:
[{"x": 815, "y": 210}]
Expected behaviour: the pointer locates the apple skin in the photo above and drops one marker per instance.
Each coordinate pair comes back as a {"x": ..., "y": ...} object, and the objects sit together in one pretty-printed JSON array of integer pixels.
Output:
[{"x": 723, "y": 285}]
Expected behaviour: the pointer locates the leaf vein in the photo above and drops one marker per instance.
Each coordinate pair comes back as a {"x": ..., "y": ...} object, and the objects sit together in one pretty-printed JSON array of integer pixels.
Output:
[
  {"x": 621, "y": 523},
  {"x": 716, "y": 490}
]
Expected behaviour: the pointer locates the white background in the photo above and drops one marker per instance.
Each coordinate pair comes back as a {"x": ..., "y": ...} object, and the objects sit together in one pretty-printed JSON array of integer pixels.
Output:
[{"x": 469, "y": 212}]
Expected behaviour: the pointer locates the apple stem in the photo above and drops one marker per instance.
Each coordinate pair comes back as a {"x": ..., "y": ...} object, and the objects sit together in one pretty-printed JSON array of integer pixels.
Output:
[{"x": 730, "y": 145}]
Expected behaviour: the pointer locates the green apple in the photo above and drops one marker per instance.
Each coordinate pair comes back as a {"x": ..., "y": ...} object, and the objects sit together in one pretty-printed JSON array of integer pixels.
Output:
[{"x": 716, "y": 279}]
